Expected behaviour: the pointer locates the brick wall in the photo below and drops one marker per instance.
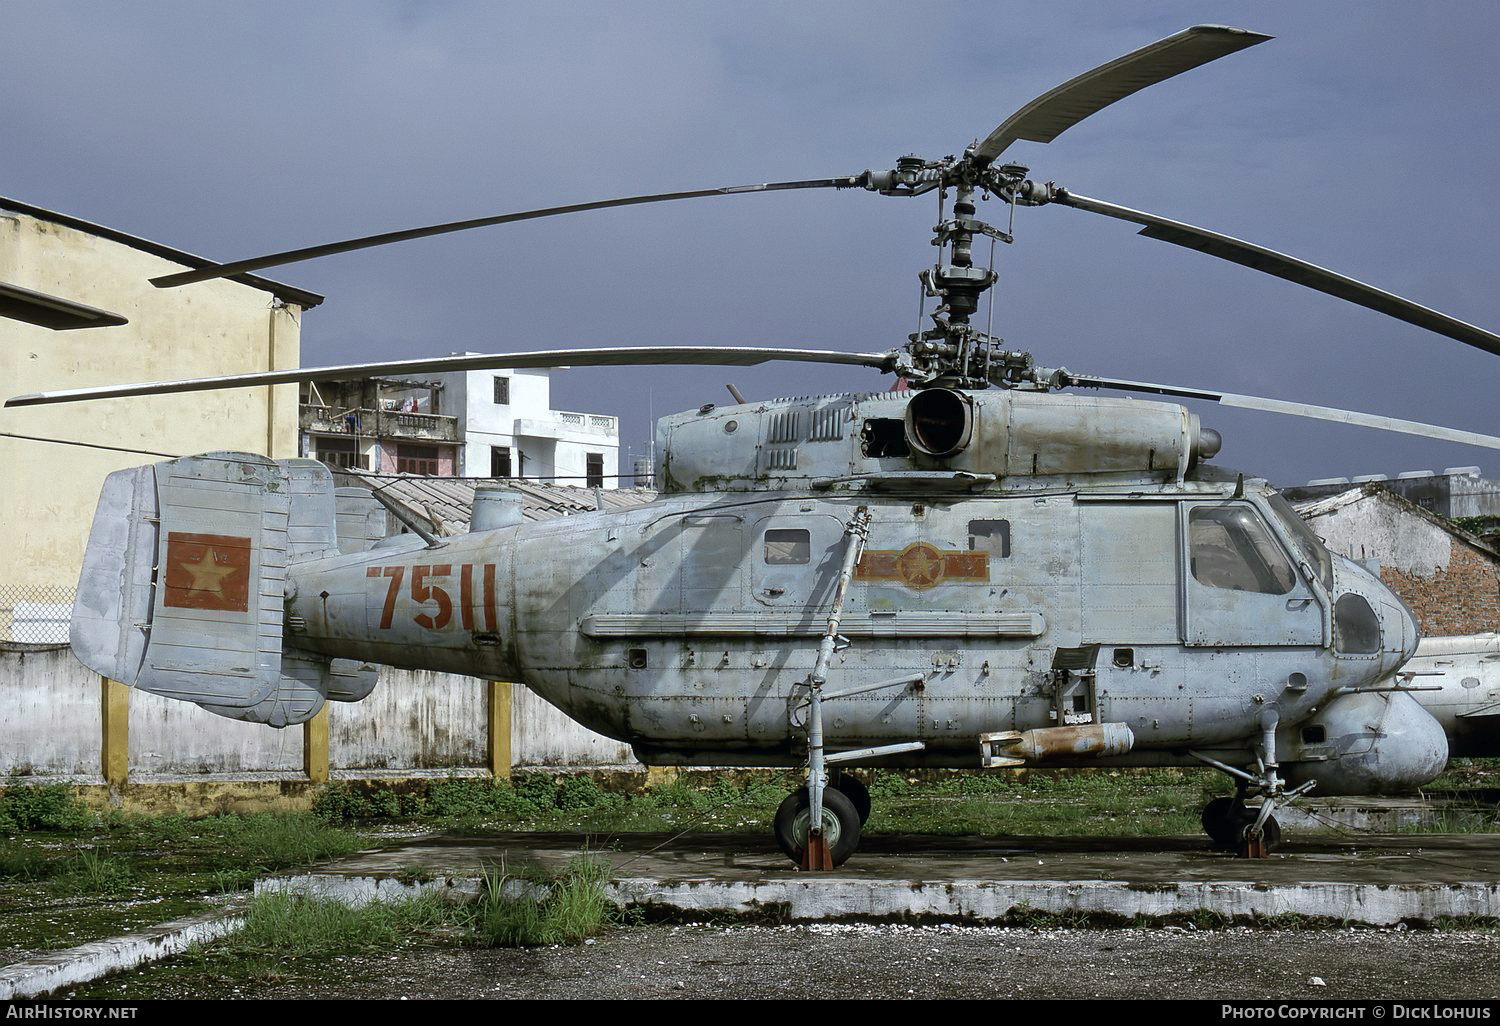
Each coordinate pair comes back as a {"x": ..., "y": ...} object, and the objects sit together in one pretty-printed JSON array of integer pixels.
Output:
[{"x": 1464, "y": 598}]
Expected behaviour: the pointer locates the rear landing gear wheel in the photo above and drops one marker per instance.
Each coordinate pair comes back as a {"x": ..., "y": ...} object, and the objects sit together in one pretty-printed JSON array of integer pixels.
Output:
[
  {"x": 840, "y": 824},
  {"x": 854, "y": 789}
]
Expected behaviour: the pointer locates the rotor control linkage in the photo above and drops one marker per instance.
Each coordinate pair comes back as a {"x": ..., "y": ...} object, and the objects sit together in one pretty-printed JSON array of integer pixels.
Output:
[{"x": 816, "y": 855}]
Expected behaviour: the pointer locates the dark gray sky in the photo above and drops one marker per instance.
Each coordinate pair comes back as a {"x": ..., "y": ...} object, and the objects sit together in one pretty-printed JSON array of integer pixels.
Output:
[{"x": 1362, "y": 138}]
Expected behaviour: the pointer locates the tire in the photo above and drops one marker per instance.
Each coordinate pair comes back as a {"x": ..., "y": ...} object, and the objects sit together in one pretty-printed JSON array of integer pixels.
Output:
[
  {"x": 1271, "y": 832},
  {"x": 840, "y": 824},
  {"x": 854, "y": 789},
  {"x": 1223, "y": 819}
]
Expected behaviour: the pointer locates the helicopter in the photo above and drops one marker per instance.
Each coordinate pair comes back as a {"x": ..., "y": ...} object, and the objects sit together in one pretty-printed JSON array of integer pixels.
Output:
[{"x": 972, "y": 570}]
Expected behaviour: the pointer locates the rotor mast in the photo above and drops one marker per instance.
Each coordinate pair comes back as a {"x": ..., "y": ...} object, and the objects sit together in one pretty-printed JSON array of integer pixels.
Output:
[{"x": 953, "y": 353}]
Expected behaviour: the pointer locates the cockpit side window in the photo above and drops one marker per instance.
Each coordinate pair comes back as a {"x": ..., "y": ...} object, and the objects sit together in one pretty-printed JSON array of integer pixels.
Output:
[
  {"x": 1231, "y": 549},
  {"x": 1356, "y": 627},
  {"x": 1308, "y": 543}
]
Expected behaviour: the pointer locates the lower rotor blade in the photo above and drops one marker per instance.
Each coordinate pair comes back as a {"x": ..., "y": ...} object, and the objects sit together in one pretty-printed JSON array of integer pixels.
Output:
[
  {"x": 1251, "y": 402},
  {"x": 1055, "y": 111},
  {"x": 1269, "y": 261},
  {"x": 615, "y": 357},
  {"x": 292, "y": 256}
]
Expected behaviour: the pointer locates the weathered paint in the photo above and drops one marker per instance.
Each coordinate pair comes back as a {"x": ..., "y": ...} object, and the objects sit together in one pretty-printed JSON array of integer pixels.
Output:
[{"x": 1457, "y": 680}]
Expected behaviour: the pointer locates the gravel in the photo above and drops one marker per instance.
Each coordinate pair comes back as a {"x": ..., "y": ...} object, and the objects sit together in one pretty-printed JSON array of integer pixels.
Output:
[{"x": 702, "y": 961}]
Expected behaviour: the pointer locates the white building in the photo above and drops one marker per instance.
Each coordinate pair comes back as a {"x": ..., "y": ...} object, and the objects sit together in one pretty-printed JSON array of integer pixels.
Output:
[{"x": 507, "y": 428}]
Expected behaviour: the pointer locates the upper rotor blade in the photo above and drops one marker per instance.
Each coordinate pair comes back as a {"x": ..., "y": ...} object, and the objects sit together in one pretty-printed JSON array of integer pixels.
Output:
[
  {"x": 1259, "y": 258},
  {"x": 1251, "y": 402},
  {"x": 292, "y": 256},
  {"x": 646, "y": 355},
  {"x": 1052, "y": 113}
]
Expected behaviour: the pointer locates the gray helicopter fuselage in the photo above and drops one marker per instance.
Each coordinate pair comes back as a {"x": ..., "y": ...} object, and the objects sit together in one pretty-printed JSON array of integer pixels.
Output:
[{"x": 1064, "y": 564}]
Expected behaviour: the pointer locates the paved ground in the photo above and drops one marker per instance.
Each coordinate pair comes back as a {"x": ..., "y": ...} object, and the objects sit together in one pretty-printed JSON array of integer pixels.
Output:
[{"x": 925, "y": 917}]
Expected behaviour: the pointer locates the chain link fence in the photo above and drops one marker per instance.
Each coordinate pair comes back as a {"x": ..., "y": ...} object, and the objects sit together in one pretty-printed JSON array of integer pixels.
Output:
[{"x": 35, "y": 614}]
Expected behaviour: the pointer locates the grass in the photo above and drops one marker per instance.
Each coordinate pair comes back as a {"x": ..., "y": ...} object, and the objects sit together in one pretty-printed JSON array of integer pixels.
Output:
[
  {"x": 293, "y": 939},
  {"x": 541, "y": 801},
  {"x": 510, "y": 913},
  {"x": 1132, "y": 803},
  {"x": 46, "y": 807},
  {"x": 94, "y": 872},
  {"x": 292, "y": 926},
  {"x": 68, "y": 875},
  {"x": 1150, "y": 803}
]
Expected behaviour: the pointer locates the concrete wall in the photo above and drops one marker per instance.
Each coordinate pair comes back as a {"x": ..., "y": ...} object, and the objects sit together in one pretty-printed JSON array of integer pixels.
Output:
[
  {"x": 210, "y": 328},
  {"x": 415, "y": 720},
  {"x": 1456, "y": 492}
]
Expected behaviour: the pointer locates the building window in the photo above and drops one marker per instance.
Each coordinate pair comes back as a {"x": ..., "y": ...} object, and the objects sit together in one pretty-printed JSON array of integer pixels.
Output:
[
  {"x": 417, "y": 459},
  {"x": 339, "y": 452},
  {"x": 502, "y": 391},
  {"x": 500, "y": 461},
  {"x": 595, "y": 462}
]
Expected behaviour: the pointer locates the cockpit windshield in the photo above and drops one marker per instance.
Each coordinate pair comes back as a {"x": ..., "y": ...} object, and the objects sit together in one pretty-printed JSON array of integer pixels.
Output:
[{"x": 1309, "y": 545}]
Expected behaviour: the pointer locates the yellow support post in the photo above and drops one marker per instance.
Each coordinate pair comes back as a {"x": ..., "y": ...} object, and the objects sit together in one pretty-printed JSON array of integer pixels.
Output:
[
  {"x": 114, "y": 741},
  {"x": 499, "y": 729},
  {"x": 315, "y": 747}
]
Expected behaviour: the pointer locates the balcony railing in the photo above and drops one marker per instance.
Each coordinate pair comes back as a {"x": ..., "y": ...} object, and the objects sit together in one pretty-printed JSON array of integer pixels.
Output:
[
  {"x": 331, "y": 420},
  {"x": 560, "y": 421}
]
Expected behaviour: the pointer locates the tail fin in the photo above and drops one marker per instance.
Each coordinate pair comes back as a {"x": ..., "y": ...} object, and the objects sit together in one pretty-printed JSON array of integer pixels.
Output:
[{"x": 183, "y": 585}]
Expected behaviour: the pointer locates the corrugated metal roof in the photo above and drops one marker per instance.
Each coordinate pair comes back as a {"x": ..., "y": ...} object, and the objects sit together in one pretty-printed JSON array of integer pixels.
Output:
[{"x": 448, "y": 501}]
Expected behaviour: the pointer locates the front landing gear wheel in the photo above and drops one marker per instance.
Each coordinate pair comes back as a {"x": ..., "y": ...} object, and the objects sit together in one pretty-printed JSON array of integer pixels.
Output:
[
  {"x": 1224, "y": 820},
  {"x": 840, "y": 825},
  {"x": 1270, "y": 840}
]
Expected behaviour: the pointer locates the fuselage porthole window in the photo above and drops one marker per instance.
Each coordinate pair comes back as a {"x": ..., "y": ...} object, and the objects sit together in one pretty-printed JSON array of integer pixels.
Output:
[
  {"x": 787, "y": 547},
  {"x": 992, "y": 536}
]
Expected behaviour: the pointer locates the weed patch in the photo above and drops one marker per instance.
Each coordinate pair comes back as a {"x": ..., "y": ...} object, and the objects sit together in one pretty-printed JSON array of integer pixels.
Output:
[
  {"x": 93, "y": 872},
  {"x": 42, "y": 807},
  {"x": 574, "y": 907},
  {"x": 293, "y": 926}
]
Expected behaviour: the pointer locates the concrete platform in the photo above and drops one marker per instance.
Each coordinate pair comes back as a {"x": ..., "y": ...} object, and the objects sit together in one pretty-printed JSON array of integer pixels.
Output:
[
  {"x": 1370, "y": 880},
  {"x": 1375, "y": 880}
]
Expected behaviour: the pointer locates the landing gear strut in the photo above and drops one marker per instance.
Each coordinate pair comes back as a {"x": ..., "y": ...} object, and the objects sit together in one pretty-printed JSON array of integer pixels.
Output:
[
  {"x": 818, "y": 825},
  {"x": 1235, "y": 826}
]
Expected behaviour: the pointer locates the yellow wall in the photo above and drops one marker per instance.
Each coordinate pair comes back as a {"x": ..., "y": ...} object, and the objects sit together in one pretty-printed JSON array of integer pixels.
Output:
[{"x": 47, "y": 491}]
